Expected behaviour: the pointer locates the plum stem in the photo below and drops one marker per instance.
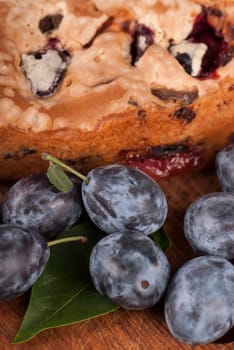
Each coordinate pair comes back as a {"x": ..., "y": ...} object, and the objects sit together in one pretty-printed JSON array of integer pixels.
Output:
[
  {"x": 81, "y": 239},
  {"x": 55, "y": 160}
]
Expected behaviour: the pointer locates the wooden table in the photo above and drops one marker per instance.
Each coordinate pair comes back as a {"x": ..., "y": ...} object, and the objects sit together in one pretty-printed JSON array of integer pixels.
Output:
[{"x": 123, "y": 330}]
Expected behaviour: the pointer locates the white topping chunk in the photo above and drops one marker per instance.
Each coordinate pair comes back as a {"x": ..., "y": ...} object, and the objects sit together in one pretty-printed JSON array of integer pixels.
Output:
[
  {"x": 196, "y": 52},
  {"x": 43, "y": 73}
]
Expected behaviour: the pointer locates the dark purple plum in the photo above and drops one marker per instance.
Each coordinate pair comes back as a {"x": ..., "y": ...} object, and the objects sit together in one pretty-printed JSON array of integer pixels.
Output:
[
  {"x": 23, "y": 257},
  {"x": 225, "y": 168},
  {"x": 199, "y": 302},
  {"x": 36, "y": 205},
  {"x": 130, "y": 269},
  {"x": 209, "y": 224},
  {"x": 122, "y": 198}
]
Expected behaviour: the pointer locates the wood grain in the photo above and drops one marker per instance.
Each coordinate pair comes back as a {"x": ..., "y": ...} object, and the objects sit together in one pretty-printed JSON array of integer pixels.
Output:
[{"x": 123, "y": 330}]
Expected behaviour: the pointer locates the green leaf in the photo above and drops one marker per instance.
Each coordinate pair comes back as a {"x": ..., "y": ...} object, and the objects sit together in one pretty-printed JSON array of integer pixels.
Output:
[
  {"x": 64, "y": 294},
  {"x": 161, "y": 239},
  {"x": 59, "y": 178}
]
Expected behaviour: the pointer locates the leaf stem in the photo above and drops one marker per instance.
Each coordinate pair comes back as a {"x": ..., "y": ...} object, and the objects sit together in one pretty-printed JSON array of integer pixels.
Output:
[
  {"x": 55, "y": 160},
  {"x": 81, "y": 239}
]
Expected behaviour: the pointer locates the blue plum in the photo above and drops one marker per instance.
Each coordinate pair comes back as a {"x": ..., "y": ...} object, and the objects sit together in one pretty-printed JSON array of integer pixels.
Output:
[
  {"x": 225, "y": 168},
  {"x": 23, "y": 257},
  {"x": 35, "y": 204},
  {"x": 209, "y": 224},
  {"x": 130, "y": 269},
  {"x": 199, "y": 303},
  {"x": 122, "y": 198}
]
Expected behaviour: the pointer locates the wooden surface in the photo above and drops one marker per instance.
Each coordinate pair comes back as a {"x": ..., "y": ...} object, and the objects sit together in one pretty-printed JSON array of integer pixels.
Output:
[{"x": 123, "y": 330}]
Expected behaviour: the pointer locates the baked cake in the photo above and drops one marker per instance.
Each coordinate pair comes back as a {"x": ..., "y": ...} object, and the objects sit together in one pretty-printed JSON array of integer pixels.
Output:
[{"x": 148, "y": 83}]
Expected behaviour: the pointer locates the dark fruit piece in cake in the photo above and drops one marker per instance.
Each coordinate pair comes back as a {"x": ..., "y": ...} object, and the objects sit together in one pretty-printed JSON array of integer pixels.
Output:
[
  {"x": 49, "y": 23},
  {"x": 206, "y": 48},
  {"x": 185, "y": 60},
  {"x": 142, "y": 38},
  {"x": 218, "y": 52}
]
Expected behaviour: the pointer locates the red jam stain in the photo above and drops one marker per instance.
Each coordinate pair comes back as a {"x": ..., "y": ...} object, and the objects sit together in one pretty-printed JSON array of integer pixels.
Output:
[
  {"x": 219, "y": 51},
  {"x": 165, "y": 164}
]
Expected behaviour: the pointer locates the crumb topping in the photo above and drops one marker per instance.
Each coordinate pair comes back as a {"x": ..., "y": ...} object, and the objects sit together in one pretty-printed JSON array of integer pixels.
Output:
[{"x": 100, "y": 44}]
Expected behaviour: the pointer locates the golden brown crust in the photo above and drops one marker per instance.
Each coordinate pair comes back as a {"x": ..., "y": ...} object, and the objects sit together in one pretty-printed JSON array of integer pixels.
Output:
[
  {"x": 105, "y": 105},
  {"x": 21, "y": 152}
]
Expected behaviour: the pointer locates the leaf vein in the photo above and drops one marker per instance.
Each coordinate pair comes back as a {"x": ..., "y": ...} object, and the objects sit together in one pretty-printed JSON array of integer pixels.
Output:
[{"x": 63, "y": 305}]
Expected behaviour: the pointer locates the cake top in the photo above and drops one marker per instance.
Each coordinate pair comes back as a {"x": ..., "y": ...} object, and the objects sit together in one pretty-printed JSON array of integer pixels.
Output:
[{"x": 70, "y": 65}]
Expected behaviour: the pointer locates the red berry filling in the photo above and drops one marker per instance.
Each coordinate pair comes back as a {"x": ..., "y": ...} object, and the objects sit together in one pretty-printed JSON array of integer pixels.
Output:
[
  {"x": 219, "y": 51},
  {"x": 164, "y": 161}
]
